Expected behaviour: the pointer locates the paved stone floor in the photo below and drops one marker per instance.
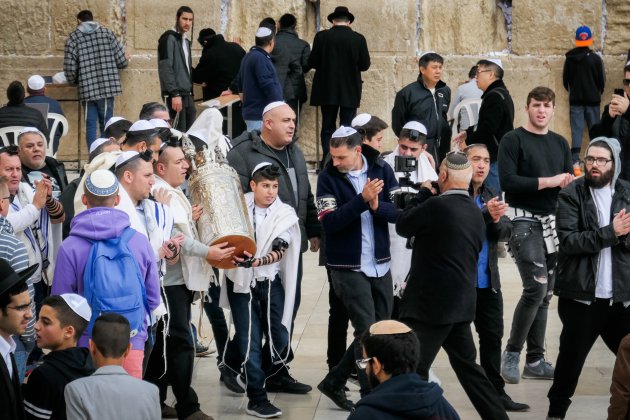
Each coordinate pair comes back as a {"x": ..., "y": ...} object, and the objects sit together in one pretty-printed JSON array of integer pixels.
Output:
[{"x": 309, "y": 342}]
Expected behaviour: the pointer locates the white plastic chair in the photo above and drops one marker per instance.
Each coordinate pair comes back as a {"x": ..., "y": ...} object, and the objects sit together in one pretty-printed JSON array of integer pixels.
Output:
[
  {"x": 8, "y": 135},
  {"x": 471, "y": 108},
  {"x": 57, "y": 119}
]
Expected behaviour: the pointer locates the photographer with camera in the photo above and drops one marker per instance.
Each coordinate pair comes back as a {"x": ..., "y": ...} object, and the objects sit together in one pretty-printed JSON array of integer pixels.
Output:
[{"x": 411, "y": 167}]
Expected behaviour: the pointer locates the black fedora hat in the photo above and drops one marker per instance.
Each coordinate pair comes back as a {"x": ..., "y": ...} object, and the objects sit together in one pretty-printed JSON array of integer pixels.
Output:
[
  {"x": 9, "y": 278},
  {"x": 341, "y": 11}
]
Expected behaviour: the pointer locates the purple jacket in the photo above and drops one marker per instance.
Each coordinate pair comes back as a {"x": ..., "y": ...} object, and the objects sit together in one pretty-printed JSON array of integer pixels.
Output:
[{"x": 96, "y": 224}]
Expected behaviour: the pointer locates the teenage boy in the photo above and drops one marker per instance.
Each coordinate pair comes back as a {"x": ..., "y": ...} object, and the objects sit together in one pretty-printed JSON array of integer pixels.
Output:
[
  {"x": 261, "y": 291},
  {"x": 61, "y": 322}
]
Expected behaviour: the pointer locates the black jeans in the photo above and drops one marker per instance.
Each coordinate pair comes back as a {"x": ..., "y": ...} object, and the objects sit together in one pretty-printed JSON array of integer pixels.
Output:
[
  {"x": 367, "y": 300},
  {"x": 217, "y": 319},
  {"x": 329, "y": 123},
  {"x": 186, "y": 115},
  {"x": 489, "y": 326},
  {"x": 337, "y": 326},
  {"x": 537, "y": 269},
  {"x": 457, "y": 341},
  {"x": 581, "y": 325},
  {"x": 180, "y": 353}
]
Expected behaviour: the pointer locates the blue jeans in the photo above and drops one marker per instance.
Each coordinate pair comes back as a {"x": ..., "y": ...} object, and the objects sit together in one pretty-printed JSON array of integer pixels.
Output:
[
  {"x": 254, "y": 312},
  {"x": 492, "y": 180},
  {"x": 253, "y": 125},
  {"x": 577, "y": 115},
  {"x": 537, "y": 269},
  {"x": 97, "y": 112}
]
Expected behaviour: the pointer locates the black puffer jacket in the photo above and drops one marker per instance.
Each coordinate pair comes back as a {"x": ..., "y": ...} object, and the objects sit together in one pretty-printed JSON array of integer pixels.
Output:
[
  {"x": 581, "y": 241},
  {"x": 290, "y": 57},
  {"x": 618, "y": 128}
]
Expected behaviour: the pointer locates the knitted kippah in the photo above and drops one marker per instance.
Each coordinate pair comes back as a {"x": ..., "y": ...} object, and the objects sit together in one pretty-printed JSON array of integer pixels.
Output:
[{"x": 457, "y": 161}]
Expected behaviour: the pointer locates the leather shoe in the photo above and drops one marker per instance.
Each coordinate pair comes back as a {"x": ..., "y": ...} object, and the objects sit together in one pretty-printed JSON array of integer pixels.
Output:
[
  {"x": 510, "y": 405},
  {"x": 199, "y": 415},
  {"x": 169, "y": 412},
  {"x": 338, "y": 396},
  {"x": 287, "y": 384}
]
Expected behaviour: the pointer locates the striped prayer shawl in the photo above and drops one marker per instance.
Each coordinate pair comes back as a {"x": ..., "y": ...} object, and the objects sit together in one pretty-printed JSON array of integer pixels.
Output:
[{"x": 548, "y": 222}]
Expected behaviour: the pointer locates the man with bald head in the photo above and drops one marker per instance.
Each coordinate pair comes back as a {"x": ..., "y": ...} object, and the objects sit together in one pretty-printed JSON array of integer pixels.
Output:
[
  {"x": 275, "y": 144},
  {"x": 440, "y": 298}
]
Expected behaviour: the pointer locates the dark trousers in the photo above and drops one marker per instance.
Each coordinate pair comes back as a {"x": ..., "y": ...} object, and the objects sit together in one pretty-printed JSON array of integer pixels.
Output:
[
  {"x": 254, "y": 312},
  {"x": 537, "y": 269},
  {"x": 337, "y": 326},
  {"x": 489, "y": 326},
  {"x": 457, "y": 341},
  {"x": 180, "y": 353},
  {"x": 329, "y": 123},
  {"x": 186, "y": 115},
  {"x": 217, "y": 319},
  {"x": 367, "y": 300},
  {"x": 581, "y": 325}
]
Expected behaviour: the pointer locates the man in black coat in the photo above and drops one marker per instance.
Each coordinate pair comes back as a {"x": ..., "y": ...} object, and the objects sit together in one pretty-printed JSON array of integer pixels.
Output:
[
  {"x": 339, "y": 56},
  {"x": 292, "y": 63},
  {"x": 16, "y": 113},
  {"x": 15, "y": 312},
  {"x": 426, "y": 101},
  {"x": 496, "y": 116},
  {"x": 440, "y": 297}
]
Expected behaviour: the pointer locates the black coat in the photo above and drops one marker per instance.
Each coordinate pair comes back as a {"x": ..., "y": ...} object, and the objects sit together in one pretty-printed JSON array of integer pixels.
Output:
[
  {"x": 218, "y": 66},
  {"x": 290, "y": 57},
  {"x": 24, "y": 116},
  {"x": 583, "y": 76},
  {"x": 618, "y": 128},
  {"x": 11, "y": 407},
  {"x": 581, "y": 240},
  {"x": 339, "y": 56},
  {"x": 496, "y": 117},
  {"x": 248, "y": 150},
  {"x": 495, "y": 232},
  {"x": 448, "y": 231}
]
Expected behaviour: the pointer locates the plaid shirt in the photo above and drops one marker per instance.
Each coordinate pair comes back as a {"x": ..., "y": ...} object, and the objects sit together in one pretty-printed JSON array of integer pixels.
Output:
[{"x": 91, "y": 60}]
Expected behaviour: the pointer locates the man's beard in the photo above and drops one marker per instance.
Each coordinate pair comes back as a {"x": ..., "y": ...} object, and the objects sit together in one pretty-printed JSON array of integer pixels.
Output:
[{"x": 601, "y": 181}]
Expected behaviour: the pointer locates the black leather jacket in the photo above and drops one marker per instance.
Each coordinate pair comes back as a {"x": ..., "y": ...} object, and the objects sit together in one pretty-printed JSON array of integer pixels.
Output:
[{"x": 581, "y": 241}]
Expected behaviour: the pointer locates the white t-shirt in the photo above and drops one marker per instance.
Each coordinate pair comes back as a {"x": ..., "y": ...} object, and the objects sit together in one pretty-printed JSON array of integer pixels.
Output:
[{"x": 603, "y": 201}]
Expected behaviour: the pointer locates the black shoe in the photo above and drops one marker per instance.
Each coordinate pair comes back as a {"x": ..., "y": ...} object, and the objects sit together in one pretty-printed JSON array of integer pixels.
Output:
[
  {"x": 263, "y": 409},
  {"x": 338, "y": 396},
  {"x": 283, "y": 382},
  {"x": 510, "y": 405},
  {"x": 229, "y": 380},
  {"x": 169, "y": 412}
]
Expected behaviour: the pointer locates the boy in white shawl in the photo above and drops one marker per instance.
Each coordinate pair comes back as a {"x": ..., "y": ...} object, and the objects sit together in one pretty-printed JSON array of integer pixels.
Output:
[{"x": 261, "y": 291}]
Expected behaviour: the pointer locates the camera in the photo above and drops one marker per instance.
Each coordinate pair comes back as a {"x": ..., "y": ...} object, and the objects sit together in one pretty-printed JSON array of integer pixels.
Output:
[{"x": 406, "y": 165}]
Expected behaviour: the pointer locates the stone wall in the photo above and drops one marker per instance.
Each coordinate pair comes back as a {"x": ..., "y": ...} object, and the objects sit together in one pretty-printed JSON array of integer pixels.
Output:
[{"x": 34, "y": 32}]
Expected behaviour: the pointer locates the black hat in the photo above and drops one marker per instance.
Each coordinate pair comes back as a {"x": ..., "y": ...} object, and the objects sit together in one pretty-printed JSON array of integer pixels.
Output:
[
  {"x": 9, "y": 278},
  {"x": 205, "y": 34},
  {"x": 341, "y": 11}
]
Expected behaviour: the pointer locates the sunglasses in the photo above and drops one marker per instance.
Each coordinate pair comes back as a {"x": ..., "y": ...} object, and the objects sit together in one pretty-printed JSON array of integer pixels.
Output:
[
  {"x": 626, "y": 82},
  {"x": 12, "y": 149}
]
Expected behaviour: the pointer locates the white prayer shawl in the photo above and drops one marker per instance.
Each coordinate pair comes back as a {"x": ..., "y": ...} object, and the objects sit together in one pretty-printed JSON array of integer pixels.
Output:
[
  {"x": 49, "y": 235},
  {"x": 197, "y": 272},
  {"x": 280, "y": 219},
  {"x": 103, "y": 161},
  {"x": 208, "y": 126},
  {"x": 400, "y": 254}
]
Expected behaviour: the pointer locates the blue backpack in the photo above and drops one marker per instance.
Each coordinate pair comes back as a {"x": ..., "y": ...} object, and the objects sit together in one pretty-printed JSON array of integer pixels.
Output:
[{"x": 113, "y": 282}]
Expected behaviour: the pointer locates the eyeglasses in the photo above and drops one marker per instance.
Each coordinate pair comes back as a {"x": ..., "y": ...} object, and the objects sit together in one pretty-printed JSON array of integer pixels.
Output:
[
  {"x": 483, "y": 71},
  {"x": 12, "y": 150},
  {"x": 10, "y": 198},
  {"x": 600, "y": 161},
  {"x": 21, "y": 308},
  {"x": 626, "y": 82},
  {"x": 362, "y": 363}
]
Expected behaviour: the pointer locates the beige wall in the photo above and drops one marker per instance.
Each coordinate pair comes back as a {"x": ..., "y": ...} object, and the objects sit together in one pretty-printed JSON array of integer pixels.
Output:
[{"x": 33, "y": 33}]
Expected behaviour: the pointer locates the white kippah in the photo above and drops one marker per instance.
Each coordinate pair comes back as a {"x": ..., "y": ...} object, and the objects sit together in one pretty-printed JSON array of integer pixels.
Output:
[
  {"x": 273, "y": 105},
  {"x": 141, "y": 125},
  {"x": 360, "y": 120},
  {"x": 112, "y": 120},
  {"x": 427, "y": 52},
  {"x": 31, "y": 130},
  {"x": 97, "y": 143},
  {"x": 628, "y": 63},
  {"x": 78, "y": 304},
  {"x": 260, "y": 166},
  {"x": 101, "y": 183},
  {"x": 415, "y": 125},
  {"x": 262, "y": 32},
  {"x": 125, "y": 156},
  {"x": 343, "y": 132},
  {"x": 36, "y": 82},
  {"x": 495, "y": 61},
  {"x": 159, "y": 123}
]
